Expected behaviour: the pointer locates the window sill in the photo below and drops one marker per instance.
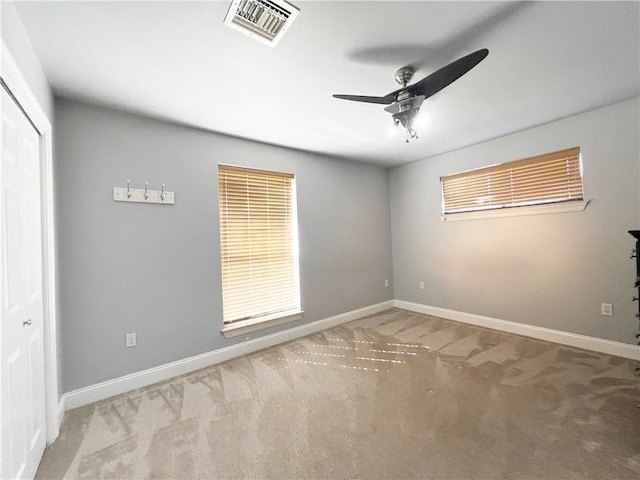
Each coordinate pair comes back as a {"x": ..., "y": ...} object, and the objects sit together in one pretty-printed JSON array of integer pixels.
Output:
[
  {"x": 246, "y": 326},
  {"x": 517, "y": 211}
]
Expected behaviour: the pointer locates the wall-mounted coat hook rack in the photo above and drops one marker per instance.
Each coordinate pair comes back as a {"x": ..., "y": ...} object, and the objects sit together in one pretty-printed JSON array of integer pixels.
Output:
[{"x": 143, "y": 195}]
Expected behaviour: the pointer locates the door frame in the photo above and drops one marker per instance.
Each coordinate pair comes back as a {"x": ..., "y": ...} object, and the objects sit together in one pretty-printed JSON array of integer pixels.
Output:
[{"x": 17, "y": 85}]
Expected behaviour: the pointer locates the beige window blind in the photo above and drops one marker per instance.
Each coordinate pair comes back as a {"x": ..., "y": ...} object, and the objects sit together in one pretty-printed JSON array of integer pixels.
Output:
[
  {"x": 258, "y": 243},
  {"x": 552, "y": 178}
]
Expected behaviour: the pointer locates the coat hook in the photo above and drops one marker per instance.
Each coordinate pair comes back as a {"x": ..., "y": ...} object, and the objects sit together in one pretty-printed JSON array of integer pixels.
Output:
[
  {"x": 162, "y": 193},
  {"x": 128, "y": 192},
  {"x": 146, "y": 193}
]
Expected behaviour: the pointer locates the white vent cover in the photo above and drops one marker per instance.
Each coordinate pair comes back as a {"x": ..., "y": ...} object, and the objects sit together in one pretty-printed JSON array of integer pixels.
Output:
[{"x": 264, "y": 20}]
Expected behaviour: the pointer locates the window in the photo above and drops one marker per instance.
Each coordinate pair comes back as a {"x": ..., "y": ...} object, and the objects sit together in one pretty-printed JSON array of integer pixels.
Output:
[
  {"x": 258, "y": 243},
  {"x": 549, "y": 179}
]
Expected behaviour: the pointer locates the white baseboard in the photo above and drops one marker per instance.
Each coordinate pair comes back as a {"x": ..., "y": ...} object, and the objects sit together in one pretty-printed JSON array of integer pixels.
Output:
[
  {"x": 94, "y": 393},
  {"x": 573, "y": 339},
  {"x": 100, "y": 391}
]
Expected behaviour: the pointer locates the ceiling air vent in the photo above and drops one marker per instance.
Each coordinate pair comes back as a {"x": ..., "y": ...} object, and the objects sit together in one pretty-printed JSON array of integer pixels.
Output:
[{"x": 264, "y": 20}]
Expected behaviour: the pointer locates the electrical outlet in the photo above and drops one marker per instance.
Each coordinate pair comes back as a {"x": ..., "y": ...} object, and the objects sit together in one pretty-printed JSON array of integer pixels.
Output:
[
  {"x": 386, "y": 283},
  {"x": 421, "y": 285},
  {"x": 130, "y": 340},
  {"x": 606, "y": 309}
]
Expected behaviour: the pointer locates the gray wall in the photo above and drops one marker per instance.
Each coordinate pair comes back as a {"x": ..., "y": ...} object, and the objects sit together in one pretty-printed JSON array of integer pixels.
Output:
[
  {"x": 15, "y": 38},
  {"x": 155, "y": 269},
  {"x": 547, "y": 270}
]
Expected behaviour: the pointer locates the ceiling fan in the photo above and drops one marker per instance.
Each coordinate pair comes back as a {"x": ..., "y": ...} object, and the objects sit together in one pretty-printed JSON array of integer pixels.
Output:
[{"x": 404, "y": 103}]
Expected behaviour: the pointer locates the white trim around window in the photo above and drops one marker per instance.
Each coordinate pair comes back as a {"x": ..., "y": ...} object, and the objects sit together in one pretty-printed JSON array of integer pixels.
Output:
[
  {"x": 560, "y": 207},
  {"x": 236, "y": 329}
]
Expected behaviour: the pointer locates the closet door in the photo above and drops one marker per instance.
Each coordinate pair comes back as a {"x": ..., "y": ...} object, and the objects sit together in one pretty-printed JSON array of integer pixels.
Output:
[{"x": 21, "y": 307}]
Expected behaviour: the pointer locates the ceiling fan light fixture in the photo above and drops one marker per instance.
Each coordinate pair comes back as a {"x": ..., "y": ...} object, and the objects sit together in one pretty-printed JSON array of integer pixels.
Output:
[
  {"x": 407, "y": 118},
  {"x": 393, "y": 128},
  {"x": 264, "y": 20}
]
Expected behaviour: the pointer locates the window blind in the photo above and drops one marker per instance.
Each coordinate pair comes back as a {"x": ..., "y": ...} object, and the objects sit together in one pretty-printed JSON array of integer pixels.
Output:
[
  {"x": 258, "y": 243},
  {"x": 551, "y": 178}
]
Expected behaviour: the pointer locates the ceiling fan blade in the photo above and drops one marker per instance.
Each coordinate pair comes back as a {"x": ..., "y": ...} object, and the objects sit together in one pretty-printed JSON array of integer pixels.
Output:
[
  {"x": 362, "y": 98},
  {"x": 435, "y": 82}
]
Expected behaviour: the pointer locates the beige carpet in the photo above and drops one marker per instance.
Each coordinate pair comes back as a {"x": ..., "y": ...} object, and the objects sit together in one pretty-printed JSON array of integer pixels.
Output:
[{"x": 394, "y": 395}]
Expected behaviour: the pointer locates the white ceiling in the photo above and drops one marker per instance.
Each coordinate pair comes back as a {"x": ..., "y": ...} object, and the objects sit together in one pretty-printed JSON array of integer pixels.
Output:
[{"x": 177, "y": 61}]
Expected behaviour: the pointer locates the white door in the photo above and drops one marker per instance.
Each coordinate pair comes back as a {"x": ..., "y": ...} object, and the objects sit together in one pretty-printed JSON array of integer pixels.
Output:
[{"x": 22, "y": 412}]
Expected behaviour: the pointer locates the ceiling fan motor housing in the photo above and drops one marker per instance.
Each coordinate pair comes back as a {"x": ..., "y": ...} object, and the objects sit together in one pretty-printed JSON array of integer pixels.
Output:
[{"x": 403, "y": 95}]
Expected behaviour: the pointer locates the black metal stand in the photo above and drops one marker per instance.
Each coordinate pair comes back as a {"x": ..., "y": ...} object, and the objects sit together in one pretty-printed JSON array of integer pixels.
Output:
[{"x": 636, "y": 298}]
